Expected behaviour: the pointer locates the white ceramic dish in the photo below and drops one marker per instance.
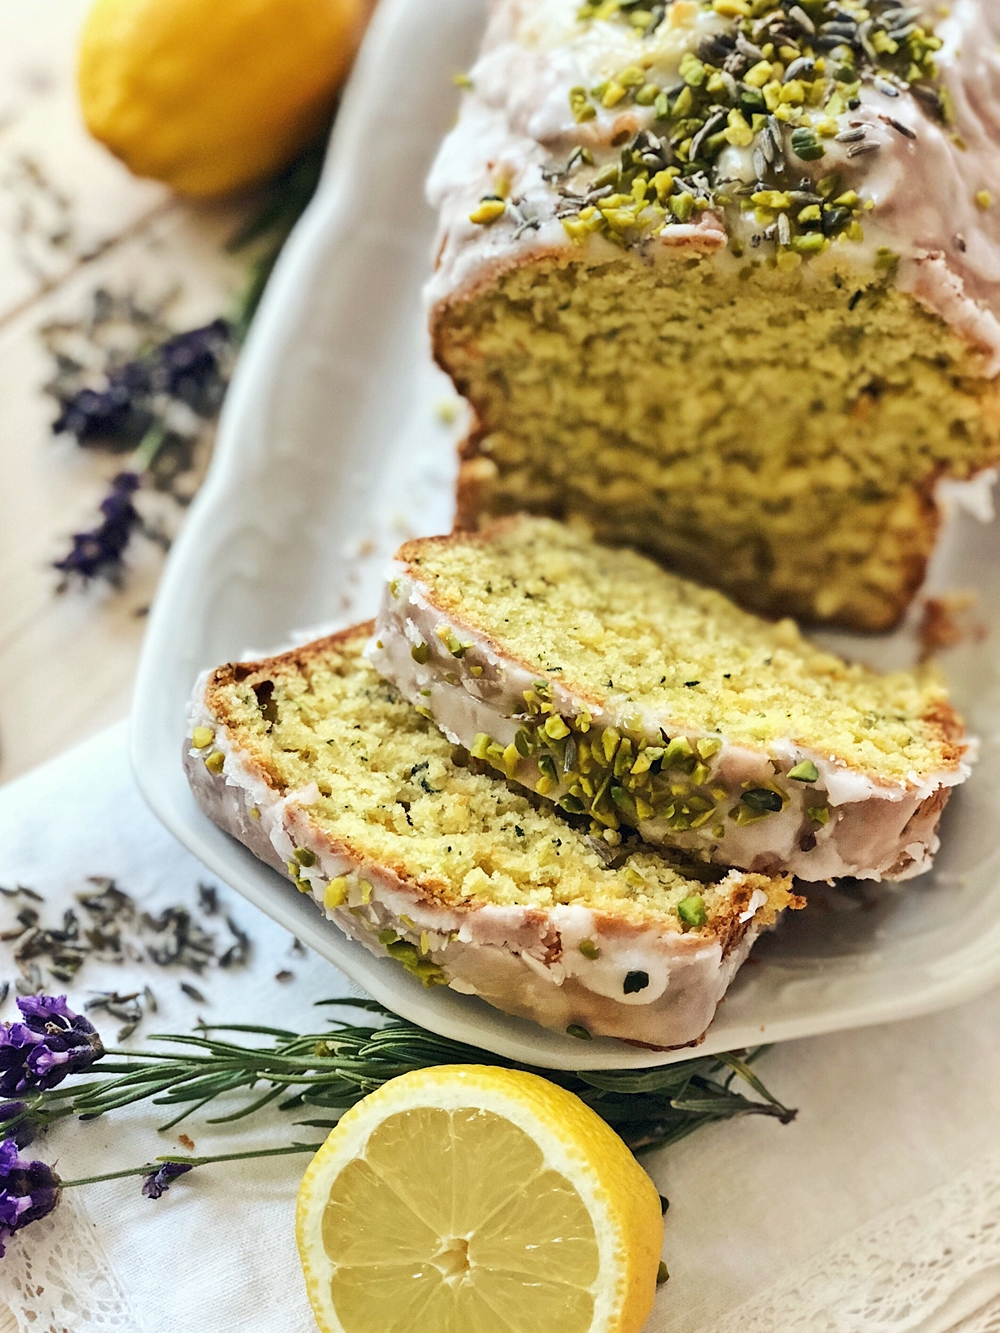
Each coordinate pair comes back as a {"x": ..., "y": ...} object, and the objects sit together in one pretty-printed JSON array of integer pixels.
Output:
[{"x": 332, "y": 448}]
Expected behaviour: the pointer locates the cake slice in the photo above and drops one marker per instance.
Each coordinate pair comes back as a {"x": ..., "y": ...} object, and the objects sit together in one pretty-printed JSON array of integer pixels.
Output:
[
  {"x": 597, "y": 679},
  {"x": 326, "y": 773}
]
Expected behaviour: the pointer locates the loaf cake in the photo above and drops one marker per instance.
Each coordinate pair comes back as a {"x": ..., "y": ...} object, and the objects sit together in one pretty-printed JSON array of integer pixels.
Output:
[
  {"x": 326, "y": 773},
  {"x": 723, "y": 277},
  {"x": 599, "y": 680}
]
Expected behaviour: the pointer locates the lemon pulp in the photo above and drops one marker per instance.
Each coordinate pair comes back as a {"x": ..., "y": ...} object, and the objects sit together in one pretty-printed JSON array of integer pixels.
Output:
[{"x": 424, "y": 1232}]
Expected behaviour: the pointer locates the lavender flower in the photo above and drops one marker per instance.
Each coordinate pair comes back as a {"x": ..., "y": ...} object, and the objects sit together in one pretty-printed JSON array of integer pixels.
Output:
[
  {"x": 156, "y": 1184},
  {"x": 189, "y": 366},
  {"x": 51, "y": 1043},
  {"x": 100, "y": 551},
  {"x": 28, "y": 1191},
  {"x": 116, "y": 417}
]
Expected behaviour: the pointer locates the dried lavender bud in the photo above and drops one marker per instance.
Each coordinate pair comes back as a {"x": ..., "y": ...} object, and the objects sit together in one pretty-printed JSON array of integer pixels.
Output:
[
  {"x": 51, "y": 1043},
  {"x": 238, "y": 953},
  {"x": 155, "y": 1185},
  {"x": 28, "y": 1191},
  {"x": 99, "y": 553},
  {"x": 208, "y": 899},
  {"x": 189, "y": 366},
  {"x": 117, "y": 417}
]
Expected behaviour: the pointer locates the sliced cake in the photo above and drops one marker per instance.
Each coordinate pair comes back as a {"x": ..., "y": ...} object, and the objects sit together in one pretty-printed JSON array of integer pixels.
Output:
[
  {"x": 620, "y": 691},
  {"x": 720, "y": 276},
  {"x": 425, "y": 856}
]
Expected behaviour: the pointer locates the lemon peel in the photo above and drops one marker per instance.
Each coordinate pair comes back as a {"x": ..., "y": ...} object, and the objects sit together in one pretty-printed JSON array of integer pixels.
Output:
[{"x": 211, "y": 96}]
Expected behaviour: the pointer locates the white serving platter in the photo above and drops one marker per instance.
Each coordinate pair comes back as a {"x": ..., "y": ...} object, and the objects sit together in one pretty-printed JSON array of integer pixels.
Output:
[{"x": 334, "y": 446}]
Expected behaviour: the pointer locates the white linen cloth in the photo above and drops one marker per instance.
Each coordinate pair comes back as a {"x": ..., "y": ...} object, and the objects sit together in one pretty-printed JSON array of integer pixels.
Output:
[{"x": 878, "y": 1209}]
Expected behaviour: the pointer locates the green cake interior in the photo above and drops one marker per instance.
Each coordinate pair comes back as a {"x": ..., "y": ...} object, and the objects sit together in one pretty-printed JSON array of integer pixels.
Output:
[
  {"x": 394, "y": 790},
  {"x": 777, "y": 434},
  {"x": 616, "y": 626}
]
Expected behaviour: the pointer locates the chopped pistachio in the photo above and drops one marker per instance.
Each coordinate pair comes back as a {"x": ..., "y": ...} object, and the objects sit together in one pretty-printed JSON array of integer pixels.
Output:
[
  {"x": 366, "y": 891},
  {"x": 580, "y": 106},
  {"x": 804, "y": 772},
  {"x": 692, "y": 911},
  {"x": 335, "y": 894},
  {"x": 806, "y": 144},
  {"x": 202, "y": 737},
  {"x": 215, "y": 762},
  {"x": 762, "y": 801},
  {"x": 678, "y": 750},
  {"x": 819, "y": 814},
  {"x": 589, "y": 950},
  {"x": 555, "y": 727},
  {"x": 419, "y": 653},
  {"x": 578, "y": 1031},
  {"x": 305, "y": 856},
  {"x": 511, "y": 759},
  {"x": 490, "y": 208},
  {"x": 481, "y": 745}
]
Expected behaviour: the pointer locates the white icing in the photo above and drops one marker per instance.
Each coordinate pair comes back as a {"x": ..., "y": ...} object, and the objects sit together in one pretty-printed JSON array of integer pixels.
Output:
[{"x": 516, "y": 118}]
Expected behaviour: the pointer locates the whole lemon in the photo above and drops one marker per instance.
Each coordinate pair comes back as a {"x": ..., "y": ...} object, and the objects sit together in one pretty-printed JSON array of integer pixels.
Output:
[{"x": 213, "y": 95}]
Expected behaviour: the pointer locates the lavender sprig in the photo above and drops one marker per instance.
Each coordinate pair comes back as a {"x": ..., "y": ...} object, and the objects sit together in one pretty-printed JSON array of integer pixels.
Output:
[
  {"x": 328, "y": 1071},
  {"x": 334, "y": 1069}
]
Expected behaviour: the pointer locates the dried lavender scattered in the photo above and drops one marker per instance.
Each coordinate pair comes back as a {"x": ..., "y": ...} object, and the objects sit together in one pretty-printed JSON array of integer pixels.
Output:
[
  {"x": 99, "y": 552},
  {"x": 191, "y": 367},
  {"x": 107, "y": 926},
  {"x": 156, "y": 1184},
  {"x": 28, "y": 1191},
  {"x": 50, "y": 1043},
  {"x": 115, "y": 417}
]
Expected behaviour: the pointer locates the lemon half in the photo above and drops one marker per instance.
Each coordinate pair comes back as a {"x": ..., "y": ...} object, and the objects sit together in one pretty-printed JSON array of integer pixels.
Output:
[{"x": 470, "y": 1199}]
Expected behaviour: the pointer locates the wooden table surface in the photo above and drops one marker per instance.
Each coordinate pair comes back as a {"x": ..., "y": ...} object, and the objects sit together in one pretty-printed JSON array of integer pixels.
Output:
[{"x": 72, "y": 220}]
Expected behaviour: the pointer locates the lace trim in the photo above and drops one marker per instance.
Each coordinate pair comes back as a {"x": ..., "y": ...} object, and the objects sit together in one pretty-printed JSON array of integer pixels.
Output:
[
  {"x": 931, "y": 1266},
  {"x": 56, "y": 1277}
]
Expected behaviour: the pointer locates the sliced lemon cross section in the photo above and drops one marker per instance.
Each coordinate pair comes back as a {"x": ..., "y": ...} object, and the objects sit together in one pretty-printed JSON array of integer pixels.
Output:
[{"x": 469, "y": 1199}]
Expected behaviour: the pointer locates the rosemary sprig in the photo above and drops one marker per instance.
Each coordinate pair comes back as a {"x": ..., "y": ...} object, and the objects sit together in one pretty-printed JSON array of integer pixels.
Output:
[{"x": 332, "y": 1070}]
